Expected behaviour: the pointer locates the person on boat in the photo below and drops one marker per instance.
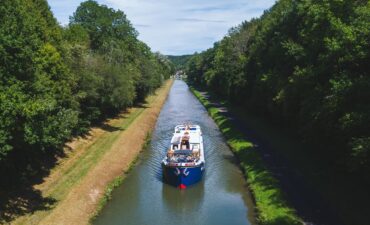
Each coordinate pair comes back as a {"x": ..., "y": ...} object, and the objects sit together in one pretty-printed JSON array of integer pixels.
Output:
[
  {"x": 185, "y": 144},
  {"x": 170, "y": 152},
  {"x": 186, "y": 136}
]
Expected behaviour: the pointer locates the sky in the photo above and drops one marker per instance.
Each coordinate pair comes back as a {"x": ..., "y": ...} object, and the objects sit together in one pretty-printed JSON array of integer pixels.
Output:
[{"x": 176, "y": 27}]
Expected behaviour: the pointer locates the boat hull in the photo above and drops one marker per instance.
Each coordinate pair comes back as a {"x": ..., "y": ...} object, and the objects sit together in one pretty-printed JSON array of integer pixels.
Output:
[{"x": 182, "y": 177}]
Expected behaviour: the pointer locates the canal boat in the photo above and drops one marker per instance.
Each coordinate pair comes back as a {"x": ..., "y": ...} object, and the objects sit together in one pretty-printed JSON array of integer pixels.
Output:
[{"x": 184, "y": 162}]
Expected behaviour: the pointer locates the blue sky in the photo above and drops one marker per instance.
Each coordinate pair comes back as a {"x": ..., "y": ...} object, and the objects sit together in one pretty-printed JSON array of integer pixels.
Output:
[{"x": 176, "y": 27}]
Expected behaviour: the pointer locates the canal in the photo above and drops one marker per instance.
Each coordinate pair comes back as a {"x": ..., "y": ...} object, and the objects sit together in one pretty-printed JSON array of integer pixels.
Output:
[{"x": 220, "y": 198}]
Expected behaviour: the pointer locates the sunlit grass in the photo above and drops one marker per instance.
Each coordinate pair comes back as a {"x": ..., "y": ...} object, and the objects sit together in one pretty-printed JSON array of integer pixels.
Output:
[
  {"x": 116, "y": 182},
  {"x": 90, "y": 158},
  {"x": 269, "y": 199},
  {"x": 72, "y": 174}
]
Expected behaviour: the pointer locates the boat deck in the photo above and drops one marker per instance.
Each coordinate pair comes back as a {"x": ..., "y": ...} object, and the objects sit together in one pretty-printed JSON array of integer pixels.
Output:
[{"x": 186, "y": 145}]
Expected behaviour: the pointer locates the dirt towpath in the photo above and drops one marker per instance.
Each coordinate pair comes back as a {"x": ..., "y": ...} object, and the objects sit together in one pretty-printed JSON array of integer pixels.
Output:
[{"x": 79, "y": 181}]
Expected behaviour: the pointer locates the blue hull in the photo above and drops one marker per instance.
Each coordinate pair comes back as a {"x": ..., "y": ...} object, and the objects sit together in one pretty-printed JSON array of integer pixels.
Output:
[{"x": 182, "y": 176}]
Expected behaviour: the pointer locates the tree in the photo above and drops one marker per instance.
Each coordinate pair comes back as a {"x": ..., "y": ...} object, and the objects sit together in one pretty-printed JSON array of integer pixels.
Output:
[
  {"x": 303, "y": 64},
  {"x": 35, "y": 84}
]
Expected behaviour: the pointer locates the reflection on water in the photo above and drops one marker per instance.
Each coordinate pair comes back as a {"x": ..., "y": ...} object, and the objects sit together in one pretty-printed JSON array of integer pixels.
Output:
[
  {"x": 220, "y": 198},
  {"x": 184, "y": 201}
]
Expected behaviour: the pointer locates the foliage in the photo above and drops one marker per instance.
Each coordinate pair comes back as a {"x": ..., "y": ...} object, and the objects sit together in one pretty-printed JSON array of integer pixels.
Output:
[
  {"x": 37, "y": 104},
  {"x": 303, "y": 64},
  {"x": 56, "y": 81},
  {"x": 115, "y": 68},
  {"x": 179, "y": 62},
  {"x": 271, "y": 205}
]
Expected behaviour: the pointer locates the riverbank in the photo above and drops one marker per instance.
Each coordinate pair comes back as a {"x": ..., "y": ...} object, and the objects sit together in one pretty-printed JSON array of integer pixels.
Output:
[
  {"x": 220, "y": 198},
  {"x": 270, "y": 202},
  {"x": 79, "y": 181},
  {"x": 321, "y": 193},
  {"x": 116, "y": 182}
]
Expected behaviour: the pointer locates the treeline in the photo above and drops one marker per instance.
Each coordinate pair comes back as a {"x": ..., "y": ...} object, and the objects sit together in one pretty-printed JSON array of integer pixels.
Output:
[
  {"x": 57, "y": 81},
  {"x": 305, "y": 65},
  {"x": 180, "y": 61}
]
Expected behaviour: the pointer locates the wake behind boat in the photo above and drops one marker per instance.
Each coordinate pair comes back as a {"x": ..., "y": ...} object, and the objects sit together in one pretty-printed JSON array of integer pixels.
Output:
[{"x": 184, "y": 162}]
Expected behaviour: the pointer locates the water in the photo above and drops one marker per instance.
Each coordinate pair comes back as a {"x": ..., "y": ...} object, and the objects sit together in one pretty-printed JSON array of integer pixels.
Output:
[{"x": 220, "y": 198}]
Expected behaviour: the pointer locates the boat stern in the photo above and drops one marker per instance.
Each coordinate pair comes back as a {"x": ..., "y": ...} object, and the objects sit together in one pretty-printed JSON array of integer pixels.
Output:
[{"x": 182, "y": 177}]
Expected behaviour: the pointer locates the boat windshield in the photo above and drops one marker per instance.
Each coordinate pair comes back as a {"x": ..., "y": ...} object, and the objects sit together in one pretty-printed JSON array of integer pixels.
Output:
[
  {"x": 181, "y": 156},
  {"x": 183, "y": 152}
]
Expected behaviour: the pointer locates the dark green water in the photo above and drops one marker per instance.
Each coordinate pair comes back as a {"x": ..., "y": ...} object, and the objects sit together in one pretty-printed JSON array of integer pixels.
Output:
[{"x": 220, "y": 198}]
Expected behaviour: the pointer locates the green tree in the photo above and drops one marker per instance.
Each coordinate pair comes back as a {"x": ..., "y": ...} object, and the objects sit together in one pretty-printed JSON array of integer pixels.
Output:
[
  {"x": 35, "y": 85},
  {"x": 305, "y": 65}
]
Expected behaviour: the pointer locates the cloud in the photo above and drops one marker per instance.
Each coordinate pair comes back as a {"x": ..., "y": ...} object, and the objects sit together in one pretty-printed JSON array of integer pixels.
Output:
[
  {"x": 206, "y": 9},
  {"x": 200, "y": 20},
  {"x": 141, "y": 25},
  {"x": 177, "y": 26}
]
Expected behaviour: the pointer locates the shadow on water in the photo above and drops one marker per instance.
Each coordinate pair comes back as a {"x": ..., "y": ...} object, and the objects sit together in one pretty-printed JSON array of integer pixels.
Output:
[{"x": 158, "y": 174}]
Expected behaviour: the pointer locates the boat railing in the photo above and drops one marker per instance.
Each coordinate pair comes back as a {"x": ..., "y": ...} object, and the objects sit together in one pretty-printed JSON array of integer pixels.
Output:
[{"x": 190, "y": 155}]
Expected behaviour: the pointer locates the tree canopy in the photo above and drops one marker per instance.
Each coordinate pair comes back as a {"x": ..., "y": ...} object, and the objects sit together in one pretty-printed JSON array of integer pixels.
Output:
[
  {"x": 56, "y": 81},
  {"x": 304, "y": 64}
]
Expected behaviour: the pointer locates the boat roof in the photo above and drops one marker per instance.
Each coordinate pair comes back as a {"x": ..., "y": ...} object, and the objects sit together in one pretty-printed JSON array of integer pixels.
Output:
[
  {"x": 191, "y": 127},
  {"x": 193, "y": 130}
]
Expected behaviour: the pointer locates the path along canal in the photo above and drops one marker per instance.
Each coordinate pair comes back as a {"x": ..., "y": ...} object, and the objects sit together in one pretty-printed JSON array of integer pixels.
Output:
[{"x": 220, "y": 198}]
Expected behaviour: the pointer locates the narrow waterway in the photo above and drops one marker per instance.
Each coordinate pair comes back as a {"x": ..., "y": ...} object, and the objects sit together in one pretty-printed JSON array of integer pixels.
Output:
[{"x": 220, "y": 198}]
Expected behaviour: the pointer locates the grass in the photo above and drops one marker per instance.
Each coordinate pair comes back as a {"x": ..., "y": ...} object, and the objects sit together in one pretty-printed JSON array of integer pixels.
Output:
[
  {"x": 107, "y": 196},
  {"x": 59, "y": 188},
  {"x": 271, "y": 206},
  {"x": 74, "y": 173},
  {"x": 345, "y": 195},
  {"x": 87, "y": 157}
]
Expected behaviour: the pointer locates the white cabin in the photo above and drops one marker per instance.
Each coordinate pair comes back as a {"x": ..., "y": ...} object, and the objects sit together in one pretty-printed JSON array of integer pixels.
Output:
[{"x": 186, "y": 145}]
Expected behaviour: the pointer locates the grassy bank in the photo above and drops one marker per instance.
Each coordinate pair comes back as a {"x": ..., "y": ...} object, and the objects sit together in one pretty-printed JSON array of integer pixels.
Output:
[
  {"x": 271, "y": 206},
  {"x": 116, "y": 182},
  {"x": 90, "y": 170}
]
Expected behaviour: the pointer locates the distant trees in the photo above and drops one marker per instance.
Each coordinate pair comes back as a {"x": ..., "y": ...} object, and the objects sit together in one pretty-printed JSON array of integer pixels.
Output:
[
  {"x": 179, "y": 62},
  {"x": 55, "y": 81},
  {"x": 304, "y": 64}
]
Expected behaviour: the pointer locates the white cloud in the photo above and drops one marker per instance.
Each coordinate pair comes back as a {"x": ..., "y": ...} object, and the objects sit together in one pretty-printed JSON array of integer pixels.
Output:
[{"x": 177, "y": 26}]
